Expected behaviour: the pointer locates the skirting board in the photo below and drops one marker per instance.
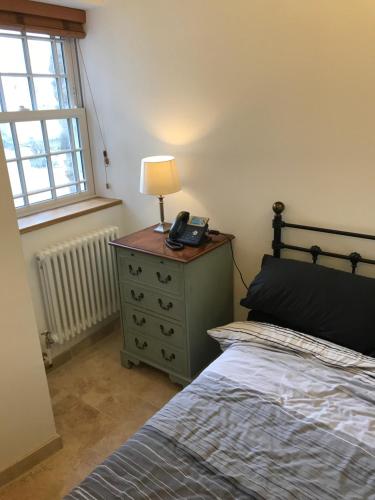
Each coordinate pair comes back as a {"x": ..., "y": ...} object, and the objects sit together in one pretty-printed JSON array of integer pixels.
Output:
[{"x": 30, "y": 460}]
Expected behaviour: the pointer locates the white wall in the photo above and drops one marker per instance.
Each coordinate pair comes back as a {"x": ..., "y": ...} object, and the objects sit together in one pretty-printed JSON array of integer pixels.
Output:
[
  {"x": 26, "y": 419},
  {"x": 258, "y": 100}
]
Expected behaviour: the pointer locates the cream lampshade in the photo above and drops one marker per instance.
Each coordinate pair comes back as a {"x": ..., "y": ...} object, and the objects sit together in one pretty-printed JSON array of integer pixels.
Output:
[{"x": 159, "y": 176}]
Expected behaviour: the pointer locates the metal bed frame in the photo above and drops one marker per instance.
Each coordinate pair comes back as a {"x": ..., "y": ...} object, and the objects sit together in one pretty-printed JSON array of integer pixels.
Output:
[{"x": 277, "y": 244}]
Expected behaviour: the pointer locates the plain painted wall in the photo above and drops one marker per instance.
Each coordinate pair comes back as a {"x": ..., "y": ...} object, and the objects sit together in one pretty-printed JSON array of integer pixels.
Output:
[
  {"x": 258, "y": 100},
  {"x": 26, "y": 419}
]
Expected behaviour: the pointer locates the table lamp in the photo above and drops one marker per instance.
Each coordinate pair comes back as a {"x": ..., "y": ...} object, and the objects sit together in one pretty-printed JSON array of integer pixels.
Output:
[{"x": 159, "y": 176}]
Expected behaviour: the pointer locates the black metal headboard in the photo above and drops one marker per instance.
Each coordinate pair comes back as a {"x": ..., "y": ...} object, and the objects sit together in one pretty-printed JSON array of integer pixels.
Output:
[{"x": 278, "y": 224}]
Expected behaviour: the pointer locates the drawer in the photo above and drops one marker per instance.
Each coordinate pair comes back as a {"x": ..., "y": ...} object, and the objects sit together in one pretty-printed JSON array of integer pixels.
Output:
[
  {"x": 160, "y": 303},
  {"x": 159, "y": 328},
  {"x": 150, "y": 270},
  {"x": 146, "y": 348}
]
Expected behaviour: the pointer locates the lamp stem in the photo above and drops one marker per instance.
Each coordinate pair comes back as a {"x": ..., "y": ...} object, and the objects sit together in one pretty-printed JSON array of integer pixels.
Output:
[
  {"x": 162, "y": 227},
  {"x": 161, "y": 206}
]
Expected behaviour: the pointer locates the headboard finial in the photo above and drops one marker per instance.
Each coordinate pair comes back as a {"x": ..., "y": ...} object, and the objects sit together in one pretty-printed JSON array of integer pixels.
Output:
[{"x": 278, "y": 207}]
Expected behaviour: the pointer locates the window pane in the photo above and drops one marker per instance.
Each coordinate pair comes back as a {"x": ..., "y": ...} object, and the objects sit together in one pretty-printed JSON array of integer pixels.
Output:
[
  {"x": 19, "y": 202},
  {"x": 41, "y": 57},
  {"x": 58, "y": 135},
  {"x": 66, "y": 190},
  {"x": 37, "y": 198},
  {"x": 39, "y": 35},
  {"x": 64, "y": 94},
  {"x": 7, "y": 138},
  {"x": 76, "y": 134},
  {"x": 36, "y": 174},
  {"x": 16, "y": 93},
  {"x": 60, "y": 58},
  {"x": 63, "y": 171},
  {"x": 12, "y": 59},
  {"x": 30, "y": 138},
  {"x": 14, "y": 178},
  {"x": 80, "y": 166},
  {"x": 46, "y": 93},
  {"x": 83, "y": 186},
  {"x": 10, "y": 32}
]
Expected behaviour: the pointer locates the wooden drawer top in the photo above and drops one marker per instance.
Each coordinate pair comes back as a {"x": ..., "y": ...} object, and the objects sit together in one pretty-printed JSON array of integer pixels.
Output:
[{"x": 149, "y": 242}]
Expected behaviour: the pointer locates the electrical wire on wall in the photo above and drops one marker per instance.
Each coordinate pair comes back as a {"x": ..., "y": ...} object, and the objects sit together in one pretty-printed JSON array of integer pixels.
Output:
[{"x": 106, "y": 159}]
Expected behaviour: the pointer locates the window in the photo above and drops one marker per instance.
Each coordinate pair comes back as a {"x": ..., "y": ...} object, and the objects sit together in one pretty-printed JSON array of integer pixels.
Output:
[{"x": 42, "y": 124}]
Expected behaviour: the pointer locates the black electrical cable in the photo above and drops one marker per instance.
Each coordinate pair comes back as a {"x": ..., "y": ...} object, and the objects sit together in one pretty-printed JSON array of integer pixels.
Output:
[{"x": 212, "y": 231}]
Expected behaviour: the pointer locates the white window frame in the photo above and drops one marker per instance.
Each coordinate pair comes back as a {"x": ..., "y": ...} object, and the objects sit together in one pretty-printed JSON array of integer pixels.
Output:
[{"x": 12, "y": 117}]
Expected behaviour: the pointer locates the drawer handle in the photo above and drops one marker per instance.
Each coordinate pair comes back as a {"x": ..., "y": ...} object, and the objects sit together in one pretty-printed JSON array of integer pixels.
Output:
[
  {"x": 135, "y": 297},
  {"x": 169, "y": 358},
  {"x": 165, "y": 280},
  {"x": 139, "y": 322},
  {"x": 134, "y": 272},
  {"x": 166, "y": 307},
  {"x": 139, "y": 345},
  {"x": 166, "y": 333}
]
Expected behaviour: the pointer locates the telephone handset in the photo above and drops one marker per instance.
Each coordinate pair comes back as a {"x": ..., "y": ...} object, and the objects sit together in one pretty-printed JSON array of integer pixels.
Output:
[{"x": 187, "y": 230}]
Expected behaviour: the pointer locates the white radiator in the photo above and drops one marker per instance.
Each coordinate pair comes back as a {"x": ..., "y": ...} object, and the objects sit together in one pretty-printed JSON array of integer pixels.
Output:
[{"x": 79, "y": 283}]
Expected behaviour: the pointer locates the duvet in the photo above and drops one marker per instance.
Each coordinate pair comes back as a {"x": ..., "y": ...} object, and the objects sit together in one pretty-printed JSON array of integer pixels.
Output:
[{"x": 279, "y": 415}]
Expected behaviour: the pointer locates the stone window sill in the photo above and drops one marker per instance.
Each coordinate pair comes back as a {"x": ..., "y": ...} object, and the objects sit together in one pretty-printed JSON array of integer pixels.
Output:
[{"x": 55, "y": 215}]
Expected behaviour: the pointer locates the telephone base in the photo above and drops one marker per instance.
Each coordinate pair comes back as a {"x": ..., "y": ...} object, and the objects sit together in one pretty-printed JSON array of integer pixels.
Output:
[{"x": 163, "y": 227}]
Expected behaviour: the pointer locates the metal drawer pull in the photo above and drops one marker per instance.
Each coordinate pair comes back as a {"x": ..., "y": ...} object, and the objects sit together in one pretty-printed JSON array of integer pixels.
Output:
[
  {"x": 135, "y": 297},
  {"x": 165, "y": 280},
  {"x": 171, "y": 357},
  {"x": 134, "y": 272},
  {"x": 165, "y": 307},
  {"x": 139, "y": 345},
  {"x": 139, "y": 322},
  {"x": 166, "y": 333}
]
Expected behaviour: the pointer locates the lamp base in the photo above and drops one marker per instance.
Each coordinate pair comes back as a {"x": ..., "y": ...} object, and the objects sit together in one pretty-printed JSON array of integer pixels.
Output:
[{"x": 163, "y": 227}]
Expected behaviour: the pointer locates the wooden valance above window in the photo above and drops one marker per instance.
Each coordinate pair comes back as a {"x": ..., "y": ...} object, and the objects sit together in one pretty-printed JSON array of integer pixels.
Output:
[{"x": 39, "y": 17}]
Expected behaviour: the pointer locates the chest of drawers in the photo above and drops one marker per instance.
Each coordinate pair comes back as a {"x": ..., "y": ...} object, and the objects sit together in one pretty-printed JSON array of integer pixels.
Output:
[{"x": 170, "y": 299}]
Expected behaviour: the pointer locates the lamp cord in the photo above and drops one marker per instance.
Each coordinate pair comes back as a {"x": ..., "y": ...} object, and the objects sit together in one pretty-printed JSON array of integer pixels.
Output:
[{"x": 214, "y": 232}]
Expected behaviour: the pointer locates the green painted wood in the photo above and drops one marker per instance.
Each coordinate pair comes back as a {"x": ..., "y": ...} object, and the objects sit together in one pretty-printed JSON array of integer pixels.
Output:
[
  {"x": 201, "y": 294},
  {"x": 155, "y": 272},
  {"x": 153, "y": 300},
  {"x": 162, "y": 329}
]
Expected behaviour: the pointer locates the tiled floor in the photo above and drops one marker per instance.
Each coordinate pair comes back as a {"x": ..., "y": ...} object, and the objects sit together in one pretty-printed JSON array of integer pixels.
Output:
[{"x": 97, "y": 404}]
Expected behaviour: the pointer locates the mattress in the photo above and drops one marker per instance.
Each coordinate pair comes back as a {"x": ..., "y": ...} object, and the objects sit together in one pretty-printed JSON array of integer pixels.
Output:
[{"x": 278, "y": 415}]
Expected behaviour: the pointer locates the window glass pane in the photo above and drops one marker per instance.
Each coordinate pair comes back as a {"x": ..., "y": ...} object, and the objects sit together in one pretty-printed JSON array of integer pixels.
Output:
[
  {"x": 66, "y": 190},
  {"x": 63, "y": 171},
  {"x": 41, "y": 57},
  {"x": 10, "y": 32},
  {"x": 64, "y": 94},
  {"x": 46, "y": 93},
  {"x": 37, "y": 198},
  {"x": 16, "y": 93},
  {"x": 83, "y": 186},
  {"x": 36, "y": 174},
  {"x": 76, "y": 134},
  {"x": 60, "y": 57},
  {"x": 12, "y": 59},
  {"x": 7, "y": 138},
  {"x": 80, "y": 166},
  {"x": 38, "y": 35},
  {"x": 30, "y": 138},
  {"x": 58, "y": 135},
  {"x": 14, "y": 178},
  {"x": 19, "y": 202}
]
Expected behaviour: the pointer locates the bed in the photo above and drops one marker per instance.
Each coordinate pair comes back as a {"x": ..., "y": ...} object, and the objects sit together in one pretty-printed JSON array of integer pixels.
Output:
[{"x": 280, "y": 414}]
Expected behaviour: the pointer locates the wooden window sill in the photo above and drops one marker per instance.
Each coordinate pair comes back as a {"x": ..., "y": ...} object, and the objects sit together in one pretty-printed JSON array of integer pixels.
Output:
[{"x": 61, "y": 214}]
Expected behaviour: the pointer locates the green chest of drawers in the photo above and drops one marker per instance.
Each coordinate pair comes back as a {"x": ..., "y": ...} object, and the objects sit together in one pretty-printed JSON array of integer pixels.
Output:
[{"x": 170, "y": 299}]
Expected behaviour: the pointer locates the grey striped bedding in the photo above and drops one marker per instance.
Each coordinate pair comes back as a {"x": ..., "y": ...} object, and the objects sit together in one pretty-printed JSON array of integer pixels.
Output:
[{"x": 278, "y": 415}]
